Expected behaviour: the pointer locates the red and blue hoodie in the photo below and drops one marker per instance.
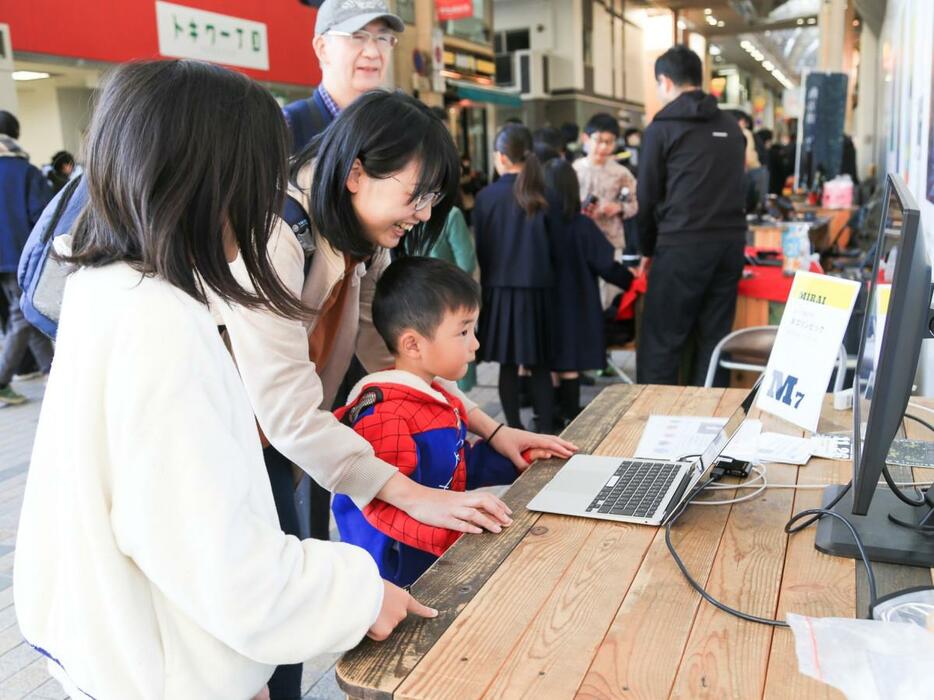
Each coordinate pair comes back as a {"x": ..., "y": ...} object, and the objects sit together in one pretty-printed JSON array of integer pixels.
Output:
[{"x": 421, "y": 429}]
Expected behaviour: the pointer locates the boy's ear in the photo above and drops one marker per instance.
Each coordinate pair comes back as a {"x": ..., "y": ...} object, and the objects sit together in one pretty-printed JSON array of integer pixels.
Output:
[{"x": 409, "y": 345}]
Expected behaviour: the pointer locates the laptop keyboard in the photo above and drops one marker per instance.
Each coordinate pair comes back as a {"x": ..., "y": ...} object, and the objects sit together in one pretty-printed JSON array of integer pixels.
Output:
[{"x": 635, "y": 489}]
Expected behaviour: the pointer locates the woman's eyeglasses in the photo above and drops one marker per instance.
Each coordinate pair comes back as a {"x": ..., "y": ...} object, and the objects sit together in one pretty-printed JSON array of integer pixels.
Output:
[
  {"x": 423, "y": 200},
  {"x": 384, "y": 41}
]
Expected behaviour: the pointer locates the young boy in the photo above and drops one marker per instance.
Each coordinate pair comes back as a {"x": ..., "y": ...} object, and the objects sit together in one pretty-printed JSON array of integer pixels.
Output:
[
  {"x": 608, "y": 189},
  {"x": 425, "y": 309}
]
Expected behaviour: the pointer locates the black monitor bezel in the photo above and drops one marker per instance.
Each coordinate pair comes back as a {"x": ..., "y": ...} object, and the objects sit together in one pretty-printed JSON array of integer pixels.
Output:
[{"x": 904, "y": 330}]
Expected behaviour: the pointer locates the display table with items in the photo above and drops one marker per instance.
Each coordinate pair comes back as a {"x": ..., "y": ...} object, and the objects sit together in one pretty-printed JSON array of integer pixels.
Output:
[{"x": 563, "y": 607}]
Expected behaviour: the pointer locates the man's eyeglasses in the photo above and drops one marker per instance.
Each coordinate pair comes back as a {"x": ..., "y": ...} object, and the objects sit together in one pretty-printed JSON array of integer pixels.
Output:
[
  {"x": 384, "y": 41},
  {"x": 423, "y": 200}
]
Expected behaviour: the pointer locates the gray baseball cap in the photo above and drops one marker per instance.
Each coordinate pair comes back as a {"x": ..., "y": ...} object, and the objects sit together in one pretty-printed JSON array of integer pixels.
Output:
[{"x": 351, "y": 15}]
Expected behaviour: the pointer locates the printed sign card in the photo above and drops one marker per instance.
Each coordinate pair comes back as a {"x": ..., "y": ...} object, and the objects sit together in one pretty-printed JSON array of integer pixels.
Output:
[{"x": 806, "y": 348}]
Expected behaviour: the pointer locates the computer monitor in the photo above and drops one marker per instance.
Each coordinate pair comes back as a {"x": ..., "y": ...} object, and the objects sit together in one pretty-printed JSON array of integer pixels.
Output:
[{"x": 898, "y": 317}]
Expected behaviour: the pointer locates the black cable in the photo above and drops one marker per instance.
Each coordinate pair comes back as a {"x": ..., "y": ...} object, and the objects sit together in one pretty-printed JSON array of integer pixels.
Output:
[
  {"x": 921, "y": 421},
  {"x": 814, "y": 514},
  {"x": 896, "y": 489},
  {"x": 823, "y": 512}
]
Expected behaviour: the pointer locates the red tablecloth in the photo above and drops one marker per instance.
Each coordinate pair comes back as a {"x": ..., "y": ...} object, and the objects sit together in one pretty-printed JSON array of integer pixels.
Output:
[{"x": 768, "y": 282}]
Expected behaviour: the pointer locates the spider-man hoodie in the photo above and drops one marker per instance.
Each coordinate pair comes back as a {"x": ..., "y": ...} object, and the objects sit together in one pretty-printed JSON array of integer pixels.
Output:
[{"x": 421, "y": 429}]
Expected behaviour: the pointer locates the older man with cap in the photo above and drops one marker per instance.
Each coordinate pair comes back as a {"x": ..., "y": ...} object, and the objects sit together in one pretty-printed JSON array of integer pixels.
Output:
[{"x": 353, "y": 42}]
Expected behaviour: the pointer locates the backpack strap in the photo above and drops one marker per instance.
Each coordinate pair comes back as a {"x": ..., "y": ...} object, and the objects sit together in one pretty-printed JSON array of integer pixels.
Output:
[
  {"x": 369, "y": 398},
  {"x": 294, "y": 214},
  {"x": 67, "y": 192},
  {"x": 306, "y": 120}
]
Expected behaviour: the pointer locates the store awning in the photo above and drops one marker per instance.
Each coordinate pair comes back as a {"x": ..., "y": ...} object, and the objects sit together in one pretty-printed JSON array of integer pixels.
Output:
[{"x": 482, "y": 93}]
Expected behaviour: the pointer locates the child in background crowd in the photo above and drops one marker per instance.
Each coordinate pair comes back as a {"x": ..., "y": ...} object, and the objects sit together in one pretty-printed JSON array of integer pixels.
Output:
[
  {"x": 608, "y": 189},
  {"x": 516, "y": 275},
  {"x": 582, "y": 255},
  {"x": 425, "y": 310}
]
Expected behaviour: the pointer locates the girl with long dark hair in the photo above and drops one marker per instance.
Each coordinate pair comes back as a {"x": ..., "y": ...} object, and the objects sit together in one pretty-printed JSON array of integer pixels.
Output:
[
  {"x": 516, "y": 275},
  {"x": 149, "y": 533}
]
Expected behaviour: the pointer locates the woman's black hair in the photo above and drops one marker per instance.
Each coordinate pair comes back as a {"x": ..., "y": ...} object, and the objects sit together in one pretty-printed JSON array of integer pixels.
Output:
[
  {"x": 385, "y": 131},
  {"x": 561, "y": 180},
  {"x": 178, "y": 152},
  {"x": 515, "y": 142}
]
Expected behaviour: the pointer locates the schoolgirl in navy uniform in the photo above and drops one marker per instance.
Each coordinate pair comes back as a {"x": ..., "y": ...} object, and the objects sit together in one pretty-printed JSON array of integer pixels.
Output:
[
  {"x": 582, "y": 254},
  {"x": 516, "y": 275}
]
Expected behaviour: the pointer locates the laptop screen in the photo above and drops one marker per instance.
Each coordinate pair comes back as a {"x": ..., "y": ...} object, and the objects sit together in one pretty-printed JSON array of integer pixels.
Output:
[{"x": 705, "y": 462}]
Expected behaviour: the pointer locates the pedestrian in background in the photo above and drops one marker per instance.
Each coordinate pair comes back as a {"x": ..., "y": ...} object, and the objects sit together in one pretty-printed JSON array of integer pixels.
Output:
[
  {"x": 24, "y": 193},
  {"x": 516, "y": 275},
  {"x": 692, "y": 227}
]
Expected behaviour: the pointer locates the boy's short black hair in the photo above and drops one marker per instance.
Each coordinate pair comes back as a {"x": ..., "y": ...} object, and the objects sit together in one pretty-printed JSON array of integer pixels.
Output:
[
  {"x": 682, "y": 66},
  {"x": 414, "y": 293},
  {"x": 602, "y": 122}
]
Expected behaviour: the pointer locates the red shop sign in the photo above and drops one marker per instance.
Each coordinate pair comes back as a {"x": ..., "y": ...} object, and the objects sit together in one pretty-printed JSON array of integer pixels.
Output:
[{"x": 454, "y": 9}]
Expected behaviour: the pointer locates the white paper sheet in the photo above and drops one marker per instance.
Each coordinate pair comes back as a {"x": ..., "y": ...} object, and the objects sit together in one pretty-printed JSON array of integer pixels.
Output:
[
  {"x": 674, "y": 437},
  {"x": 783, "y": 449}
]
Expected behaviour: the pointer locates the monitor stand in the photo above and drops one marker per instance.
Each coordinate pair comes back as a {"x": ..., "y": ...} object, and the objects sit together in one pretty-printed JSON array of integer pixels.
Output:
[{"x": 882, "y": 539}]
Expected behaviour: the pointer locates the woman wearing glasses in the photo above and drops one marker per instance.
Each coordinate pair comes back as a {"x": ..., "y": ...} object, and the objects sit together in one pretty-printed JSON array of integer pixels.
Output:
[{"x": 385, "y": 175}]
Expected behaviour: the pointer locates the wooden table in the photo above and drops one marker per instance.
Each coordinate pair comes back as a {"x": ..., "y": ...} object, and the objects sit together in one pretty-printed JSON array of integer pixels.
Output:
[{"x": 559, "y": 607}]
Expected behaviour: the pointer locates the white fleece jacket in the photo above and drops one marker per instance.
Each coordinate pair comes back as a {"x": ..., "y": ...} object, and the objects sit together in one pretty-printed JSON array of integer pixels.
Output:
[{"x": 149, "y": 561}]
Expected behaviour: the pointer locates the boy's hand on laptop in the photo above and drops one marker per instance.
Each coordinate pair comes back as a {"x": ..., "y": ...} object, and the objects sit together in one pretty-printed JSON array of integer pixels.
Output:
[
  {"x": 512, "y": 442},
  {"x": 397, "y": 604}
]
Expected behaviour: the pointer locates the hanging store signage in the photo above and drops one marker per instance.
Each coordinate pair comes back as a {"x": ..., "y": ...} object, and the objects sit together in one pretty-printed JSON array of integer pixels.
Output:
[
  {"x": 186, "y": 32},
  {"x": 454, "y": 9}
]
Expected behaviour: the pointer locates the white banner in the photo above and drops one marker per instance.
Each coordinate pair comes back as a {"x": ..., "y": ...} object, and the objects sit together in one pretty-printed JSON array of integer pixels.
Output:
[
  {"x": 186, "y": 32},
  {"x": 806, "y": 348}
]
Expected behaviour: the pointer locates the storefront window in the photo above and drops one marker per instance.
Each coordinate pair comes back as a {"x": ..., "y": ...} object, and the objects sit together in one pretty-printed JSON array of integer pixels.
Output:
[
  {"x": 406, "y": 10},
  {"x": 477, "y": 28}
]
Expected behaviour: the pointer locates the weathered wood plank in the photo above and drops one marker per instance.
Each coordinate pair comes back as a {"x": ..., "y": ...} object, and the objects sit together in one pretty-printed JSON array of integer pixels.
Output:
[
  {"x": 727, "y": 656},
  {"x": 496, "y": 621},
  {"x": 813, "y": 583},
  {"x": 556, "y": 649},
  {"x": 374, "y": 671},
  {"x": 639, "y": 655}
]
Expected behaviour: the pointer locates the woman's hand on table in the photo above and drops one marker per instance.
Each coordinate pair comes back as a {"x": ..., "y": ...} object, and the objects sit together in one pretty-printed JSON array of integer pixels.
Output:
[
  {"x": 470, "y": 511},
  {"x": 512, "y": 442},
  {"x": 397, "y": 604},
  {"x": 263, "y": 694}
]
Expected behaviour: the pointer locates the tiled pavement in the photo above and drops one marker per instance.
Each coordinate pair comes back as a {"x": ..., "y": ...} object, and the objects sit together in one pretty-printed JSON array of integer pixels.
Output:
[{"x": 23, "y": 673}]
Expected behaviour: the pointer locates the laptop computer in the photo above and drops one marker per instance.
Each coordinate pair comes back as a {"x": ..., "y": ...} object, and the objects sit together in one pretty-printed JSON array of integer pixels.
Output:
[{"x": 643, "y": 491}]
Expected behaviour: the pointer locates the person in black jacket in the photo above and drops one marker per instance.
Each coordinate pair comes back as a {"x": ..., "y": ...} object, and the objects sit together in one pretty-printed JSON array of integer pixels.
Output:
[
  {"x": 691, "y": 222},
  {"x": 516, "y": 275},
  {"x": 581, "y": 255}
]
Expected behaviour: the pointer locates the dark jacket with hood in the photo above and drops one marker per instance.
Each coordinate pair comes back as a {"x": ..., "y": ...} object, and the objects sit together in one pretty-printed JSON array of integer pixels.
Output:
[
  {"x": 691, "y": 168},
  {"x": 24, "y": 193}
]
